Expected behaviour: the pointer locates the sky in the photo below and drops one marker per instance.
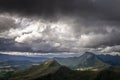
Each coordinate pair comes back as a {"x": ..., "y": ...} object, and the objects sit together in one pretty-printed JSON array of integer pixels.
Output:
[{"x": 56, "y": 26}]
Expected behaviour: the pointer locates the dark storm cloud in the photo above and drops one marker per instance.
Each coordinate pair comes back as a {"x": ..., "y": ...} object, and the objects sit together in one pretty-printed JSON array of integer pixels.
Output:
[
  {"x": 107, "y": 8},
  {"x": 6, "y": 24},
  {"x": 11, "y": 45},
  {"x": 71, "y": 35},
  {"x": 99, "y": 33},
  {"x": 90, "y": 25},
  {"x": 46, "y": 7}
]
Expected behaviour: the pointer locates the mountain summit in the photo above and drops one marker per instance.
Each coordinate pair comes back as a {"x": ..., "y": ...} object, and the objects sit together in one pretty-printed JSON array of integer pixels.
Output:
[
  {"x": 51, "y": 70},
  {"x": 51, "y": 63},
  {"x": 89, "y": 53},
  {"x": 48, "y": 67},
  {"x": 90, "y": 60},
  {"x": 87, "y": 60}
]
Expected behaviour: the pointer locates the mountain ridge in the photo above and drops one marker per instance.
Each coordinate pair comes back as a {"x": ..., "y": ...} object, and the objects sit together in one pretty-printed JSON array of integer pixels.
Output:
[
  {"x": 52, "y": 70},
  {"x": 87, "y": 60},
  {"x": 48, "y": 71},
  {"x": 48, "y": 67}
]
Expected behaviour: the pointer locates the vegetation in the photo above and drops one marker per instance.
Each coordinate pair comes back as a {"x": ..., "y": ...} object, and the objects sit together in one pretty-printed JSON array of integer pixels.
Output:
[
  {"x": 112, "y": 73},
  {"x": 87, "y": 60},
  {"x": 5, "y": 75},
  {"x": 85, "y": 67},
  {"x": 51, "y": 70}
]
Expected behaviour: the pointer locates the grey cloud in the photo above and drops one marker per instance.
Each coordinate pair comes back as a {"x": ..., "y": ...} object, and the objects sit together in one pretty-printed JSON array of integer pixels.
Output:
[
  {"x": 90, "y": 25},
  {"x": 49, "y": 8},
  {"x": 6, "y": 24},
  {"x": 66, "y": 34},
  {"x": 109, "y": 7},
  {"x": 44, "y": 7},
  {"x": 98, "y": 33},
  {"x": 111, "y": 49}
]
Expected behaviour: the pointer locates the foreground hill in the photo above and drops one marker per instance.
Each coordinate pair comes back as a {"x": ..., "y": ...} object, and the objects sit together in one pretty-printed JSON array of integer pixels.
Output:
[
  {"x": 36, "y": 72},
  {"x": 111, "y": 73},
  {"x": 87, "y": 61}
]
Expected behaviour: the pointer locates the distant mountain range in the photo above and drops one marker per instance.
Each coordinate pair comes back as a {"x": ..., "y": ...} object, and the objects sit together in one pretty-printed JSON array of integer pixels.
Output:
[
  {"x": 52, "y": 70},
  {"x": 86, "y": 61},
  {"x": 16, "y": 65},
  {"x": 6, "y": 57},
  {"x": 13, "y": 62},
  {"x": 110, "y": 59}
]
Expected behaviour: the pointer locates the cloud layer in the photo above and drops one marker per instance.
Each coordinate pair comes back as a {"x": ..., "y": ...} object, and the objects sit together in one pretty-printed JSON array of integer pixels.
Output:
[
  {"x": 59, "y": 26},
  {"x": 66, "y": 34},
  {"x": 109, "y": 9}
]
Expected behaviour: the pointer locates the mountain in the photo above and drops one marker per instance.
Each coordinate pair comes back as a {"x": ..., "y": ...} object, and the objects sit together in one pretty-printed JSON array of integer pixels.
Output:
[
  {"x": 51, "y": 70},
  {"x": 15, "y": 65},
  {"x": 91, "y": 60},
  {"x": 14, "y": 62},
  {"x": 113, "y": 60},
  {"x": 39, "y": 72},
  {"x": 7, "y": 57},
  {"x": 87, "y": 61}
]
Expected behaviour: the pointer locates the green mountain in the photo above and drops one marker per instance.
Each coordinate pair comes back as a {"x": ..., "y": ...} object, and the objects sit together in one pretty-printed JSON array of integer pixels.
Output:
[
  {"x": 87, "y": 61},
  {"x": 33, "y": 73},
  {"x": 52, "y": 70}
]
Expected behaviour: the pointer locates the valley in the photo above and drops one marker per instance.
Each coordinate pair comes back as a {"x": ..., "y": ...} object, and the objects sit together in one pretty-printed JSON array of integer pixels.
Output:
[{"x": 86, "y": 67}]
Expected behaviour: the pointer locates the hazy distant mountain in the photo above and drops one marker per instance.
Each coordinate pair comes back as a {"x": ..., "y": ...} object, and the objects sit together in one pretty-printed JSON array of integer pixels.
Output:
[
  {"x": 16, "y": 65},
  {"x": 87, "y": 60},
  {"x": 6, "y": 57},
  {"x": 13, "y": 62},
  {"x": 113, "y": 60},
  {"x": 91, "y": 60}
]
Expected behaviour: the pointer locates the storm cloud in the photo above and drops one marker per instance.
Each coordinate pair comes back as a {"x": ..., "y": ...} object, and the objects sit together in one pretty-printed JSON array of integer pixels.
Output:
[
  {"x": 61, "y": 25},
  {"x": 6, "y": 24},
  {"x": 45, "y": 6},
  {"x": 109, "y": 9}
]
